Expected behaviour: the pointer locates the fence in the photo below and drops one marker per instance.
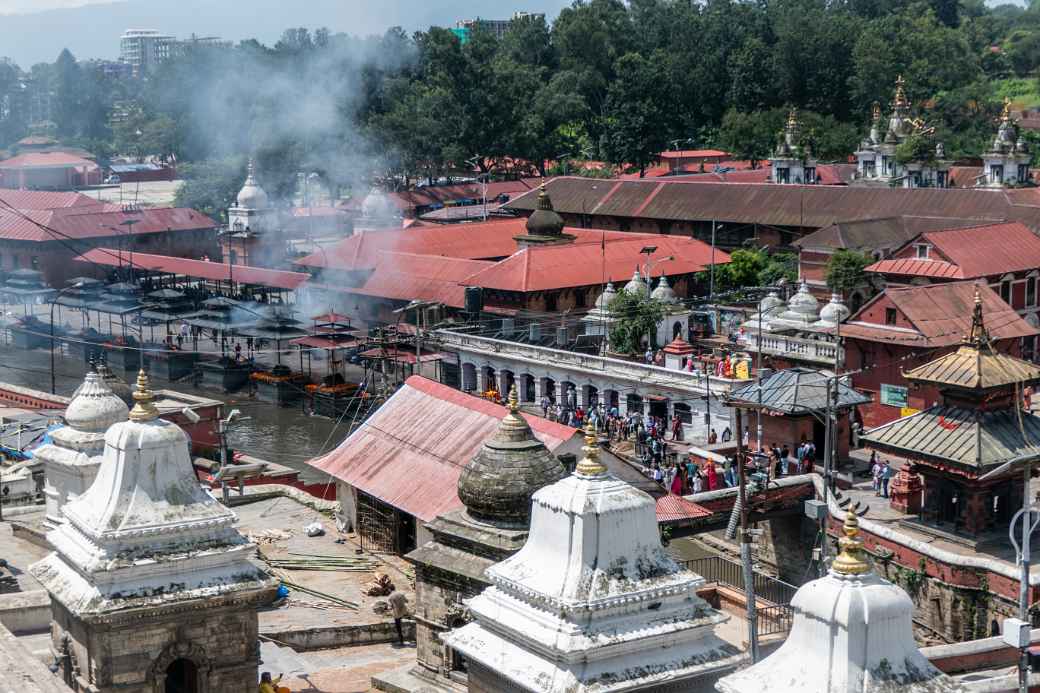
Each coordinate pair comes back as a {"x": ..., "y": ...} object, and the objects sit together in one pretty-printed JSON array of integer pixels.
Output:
[{"x": 772, "y": 619}]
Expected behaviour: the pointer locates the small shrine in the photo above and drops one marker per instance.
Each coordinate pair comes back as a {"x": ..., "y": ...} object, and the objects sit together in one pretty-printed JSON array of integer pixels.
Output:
[
  {"x": 280, "y": 385},
  {"x": 600, "y": 319},
  {"x": 253, "y": 234},
  {"x": 496, "y": 487},
  {"x": 678, "y": 353},
  {"x": 71, "y": 460},
  {"x": 1006, "y": 162},
  {"x": 675, "y": 322},
  {"x": 332, "y": 395},
  {"x": 544, "y": 226},
  {"x": 978, "y": 424},
  {"x": 852, "y": 632},
  {"x": 884, "y": 159},
  {"x": 792, "y": 160},
  {"x": 152, "y": 588},
  {"x": 592, "y": 602}
]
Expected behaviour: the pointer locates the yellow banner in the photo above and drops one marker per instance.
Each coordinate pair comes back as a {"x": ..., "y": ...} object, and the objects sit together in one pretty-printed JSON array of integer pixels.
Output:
[{"x": 907, "y": 411}]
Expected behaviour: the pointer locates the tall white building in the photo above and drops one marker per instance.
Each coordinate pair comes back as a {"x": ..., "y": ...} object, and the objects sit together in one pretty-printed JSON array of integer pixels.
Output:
[{"x": 144, "y": 49}]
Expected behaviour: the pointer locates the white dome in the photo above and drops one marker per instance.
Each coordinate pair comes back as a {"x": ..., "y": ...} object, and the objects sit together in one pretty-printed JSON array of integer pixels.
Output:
[
  {"x": 664, "y": 292},
  {"x": 851, "y": 633},
  {"x": 770, "y": 304},
  {"x": 835, "y": 311},
  {"x": 377, "y": 205},
  {"x": 94, "y": 407},
  {"x": 802, "y": 310},
  {"x": 636, "y": 285},
  {"x": 252, "y": 196},
  {"x": 608, "y": 295}
]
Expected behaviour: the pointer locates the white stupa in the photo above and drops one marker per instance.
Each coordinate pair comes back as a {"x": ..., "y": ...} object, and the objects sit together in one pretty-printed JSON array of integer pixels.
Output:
[
  {"x": 664, "y": 292},
  {"x": 834, "y": 313},
  {"x": 71, "y": 460},
  {"x": 636, "y": 285},
  {"x": 851, "y": 633},
  {"x": 252, "y": 211},
  {"x": 599, "y": 320},
  {"x": 802, "y": 311},
  {"x": 144, "y": 530},
  {"x": 592, "y": 602}
]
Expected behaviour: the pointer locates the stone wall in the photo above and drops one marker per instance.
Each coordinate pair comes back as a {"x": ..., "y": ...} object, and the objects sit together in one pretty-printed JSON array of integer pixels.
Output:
[
  {"x": 132, "y": 653},
  {"x": 438, "y": 609}
]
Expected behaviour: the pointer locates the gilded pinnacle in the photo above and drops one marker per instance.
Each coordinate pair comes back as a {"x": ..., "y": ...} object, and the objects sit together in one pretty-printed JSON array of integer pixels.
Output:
[
  {"x": 514, "y": 400},
  {"x": 853, "y": 559},
  {"x": 591, "y": 465},
  {"x": 144, "y": 401}
]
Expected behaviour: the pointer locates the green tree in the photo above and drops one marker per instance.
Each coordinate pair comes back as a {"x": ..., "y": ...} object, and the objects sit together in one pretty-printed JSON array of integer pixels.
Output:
[
  {"x": 845, "y": 271},
  {"x": 637, "y": 317},
  {"x": 637, "y": 112},
  {"x": 211, "y": 186}
]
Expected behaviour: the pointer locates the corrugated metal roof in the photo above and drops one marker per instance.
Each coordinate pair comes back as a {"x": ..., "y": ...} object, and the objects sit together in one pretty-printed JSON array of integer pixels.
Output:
[
  {"x": 46, "y": 160},
  {"x": 589, "y": 264},
  {"x": 794, "y": 391},
  {"x": 410, "y": 451},
  {"x": 407, "y": 277},
  {"x": 693, "y": 153},
  {"x": 202, "y": 269},
  {"x": 439, "y": 194},
  {"x": 78, "y": 222},
  {"x": 676, "y": 508},
  {"x": 936, "y": 269},
  {"x": 971, "y": 437},
  {"x": 35, "y": 199},
  {"x": 1008, "y": 247},
  {"x": 889, "y": 233},
  {"x": 976, "y": 368},
  {"x": 940, "y": 314},
  {"x": 782, "y": 205}
]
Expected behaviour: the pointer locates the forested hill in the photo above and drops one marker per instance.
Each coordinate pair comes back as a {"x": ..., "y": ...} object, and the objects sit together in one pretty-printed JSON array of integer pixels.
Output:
[{"x": 607, "y": 80}]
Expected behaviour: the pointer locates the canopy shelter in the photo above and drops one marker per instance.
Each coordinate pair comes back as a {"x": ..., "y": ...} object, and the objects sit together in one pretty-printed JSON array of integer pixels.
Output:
[
  {"x": 332, "y": 332},
  {"x": 277, "y": 325},
  {"x": 165, "y": 306},
  {"x": 26, "y": 287},
  {"x": 224, "y": 317},
  {"x": 225, "y": 277}
]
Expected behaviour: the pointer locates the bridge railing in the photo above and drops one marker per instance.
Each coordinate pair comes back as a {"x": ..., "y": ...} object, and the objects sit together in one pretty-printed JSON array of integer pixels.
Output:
[{"x": 773, "y": 619}]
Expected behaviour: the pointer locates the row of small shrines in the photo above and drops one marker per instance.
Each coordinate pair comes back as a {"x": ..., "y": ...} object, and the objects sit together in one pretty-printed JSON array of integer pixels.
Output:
[{"x": 569, "y": 587}]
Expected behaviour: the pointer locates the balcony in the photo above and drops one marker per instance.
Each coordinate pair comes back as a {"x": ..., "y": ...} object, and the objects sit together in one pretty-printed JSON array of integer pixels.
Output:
[{"x": 815, "y": 351}]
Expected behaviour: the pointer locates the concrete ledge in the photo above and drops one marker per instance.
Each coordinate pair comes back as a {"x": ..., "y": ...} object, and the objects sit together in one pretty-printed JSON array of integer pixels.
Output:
[
  {"x": 21, "y": 671},
  {"x": 31, "y": 534},
  {"x": 321, "y": 638},
  {"x": 24, "y": 613}
]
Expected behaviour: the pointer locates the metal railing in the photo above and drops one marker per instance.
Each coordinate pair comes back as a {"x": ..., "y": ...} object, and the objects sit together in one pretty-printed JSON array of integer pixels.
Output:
[{"x": 773, "y": 619}]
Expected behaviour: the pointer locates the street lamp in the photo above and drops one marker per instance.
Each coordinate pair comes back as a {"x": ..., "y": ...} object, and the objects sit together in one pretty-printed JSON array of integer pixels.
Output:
[{"x": 54, "y": 302}]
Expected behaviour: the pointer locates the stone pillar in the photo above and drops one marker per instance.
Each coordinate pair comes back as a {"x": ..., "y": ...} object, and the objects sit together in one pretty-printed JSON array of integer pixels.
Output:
[
  {"x": 503, "y": 383},
  {"x": 539, "y": 390},
  {"x": 486, "y": 382},
  {"x": 905, "y": 491}
]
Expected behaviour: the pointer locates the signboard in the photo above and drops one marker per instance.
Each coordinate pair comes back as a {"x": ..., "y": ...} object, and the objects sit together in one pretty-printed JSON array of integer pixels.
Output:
[
  {"x": 894, "y": 396},
  {"x": 908, "y": 411}
]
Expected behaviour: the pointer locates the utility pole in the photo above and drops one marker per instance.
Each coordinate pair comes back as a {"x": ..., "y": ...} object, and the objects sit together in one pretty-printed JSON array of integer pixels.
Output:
[
  {"x": 758, "y": 384},
  {"x": 826, "y": 482},
  {"x": 745, "y": 546}
]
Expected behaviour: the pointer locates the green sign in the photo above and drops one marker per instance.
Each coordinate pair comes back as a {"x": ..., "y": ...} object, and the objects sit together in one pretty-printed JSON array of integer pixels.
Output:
[{"x": 894, "y": 396}]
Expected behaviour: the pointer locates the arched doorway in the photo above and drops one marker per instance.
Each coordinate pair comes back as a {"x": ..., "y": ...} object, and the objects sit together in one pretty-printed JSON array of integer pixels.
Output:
[
  {"x": 527, "y": 388},
  {"x": 469, "y": 377},
  {"x": 182, "y": 676}
]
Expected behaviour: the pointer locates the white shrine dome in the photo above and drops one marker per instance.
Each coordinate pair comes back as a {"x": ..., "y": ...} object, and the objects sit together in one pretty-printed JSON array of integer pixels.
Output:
[
  {"x": 608, "y": 295},
  {"x": 94, "y": 407},
  {"x": 664, "y": 292},
  {"x": 852, "y": 633},
  {"x": 636, "y": 285},
  {"x": 835, "y": 311},
  {"x": 252, "y": 196},
  {"x": 770, "y": 303}
]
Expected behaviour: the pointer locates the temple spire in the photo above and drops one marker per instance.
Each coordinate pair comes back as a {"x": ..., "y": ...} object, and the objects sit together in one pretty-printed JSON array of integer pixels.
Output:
[
  {"x": 853, "y": 559},
  {"x": 978, "y": 336},
  {"x": 591, "y": 465},
  {"x": 144, "y": 408}
]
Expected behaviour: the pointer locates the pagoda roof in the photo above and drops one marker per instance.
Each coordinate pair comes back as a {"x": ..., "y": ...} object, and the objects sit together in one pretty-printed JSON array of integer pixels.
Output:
[
  {"x": 972, "y": 438},
  {"x": 975, "y": 365},
  {"x": 794, "y": 391}
]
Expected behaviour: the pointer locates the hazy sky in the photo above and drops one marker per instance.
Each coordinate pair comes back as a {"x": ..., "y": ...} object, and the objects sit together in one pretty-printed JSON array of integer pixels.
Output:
[
  {"x": 36, "y": 30},
  {"x": 22, "y": 6}
]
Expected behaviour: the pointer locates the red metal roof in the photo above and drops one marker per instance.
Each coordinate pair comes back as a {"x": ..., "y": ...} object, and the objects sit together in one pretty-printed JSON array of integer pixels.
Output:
[
  {"x": 36, "y": 199},
  {"x": 81, "y": 221},
  {"x": 676, "y": 508},
  {"x": 407, "y": 277},
  {"x": 968, "y": 253},
  {"x": 694, "y": 154},
  {"x": 940, "y": 315},
  {"x": 47, "y": 160},
  {"x": 588, "y": 264},
  {"x": 410, "y": 451},
  {"x": 439, "y": 194},
  {"x": 201, "y": 269}
]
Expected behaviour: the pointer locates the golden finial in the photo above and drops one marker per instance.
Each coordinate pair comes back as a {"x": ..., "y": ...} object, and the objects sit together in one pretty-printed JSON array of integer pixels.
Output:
[
  {"x": 514, "y": 400},
  {"x": 144, "y": 401},
  {"x": 977, "y": 335},
  {"x": 591, "y": 465},
  {"x": 853, "y": 559},
  {"x": 792, "y": 119},
  {"x": 900, "y": 98},
  {"x": 1005, "y": 115},
  {"x": 544, "y": 202}
]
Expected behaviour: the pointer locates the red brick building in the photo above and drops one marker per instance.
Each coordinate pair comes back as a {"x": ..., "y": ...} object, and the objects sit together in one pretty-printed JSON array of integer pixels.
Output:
[
  {"x": 47, "y": 231},
  {"x": 1004, "y": 255},
  {"x": 905, "y": 327}
]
